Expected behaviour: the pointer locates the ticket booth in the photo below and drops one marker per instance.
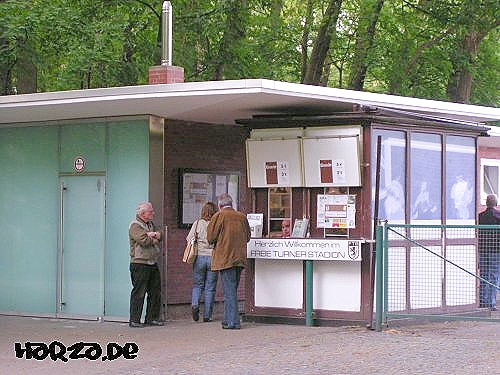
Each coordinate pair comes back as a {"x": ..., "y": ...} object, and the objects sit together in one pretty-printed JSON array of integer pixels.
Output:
[
  {"x": 311, "y": 258},
  {"x": 307, "y": 182}
]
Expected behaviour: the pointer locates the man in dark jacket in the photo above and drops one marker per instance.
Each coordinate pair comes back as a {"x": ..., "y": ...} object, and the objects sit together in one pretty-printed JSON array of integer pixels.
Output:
[
  {"x": 489, "y": 254},
  {"x": 229, "y": 231}
]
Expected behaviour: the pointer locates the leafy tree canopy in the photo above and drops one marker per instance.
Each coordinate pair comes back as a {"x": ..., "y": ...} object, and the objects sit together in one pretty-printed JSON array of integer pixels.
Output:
[{"x": 447, "y": 50}]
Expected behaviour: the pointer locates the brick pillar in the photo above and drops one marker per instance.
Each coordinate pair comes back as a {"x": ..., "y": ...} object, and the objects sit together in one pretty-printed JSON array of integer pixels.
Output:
[{"x": 165, "y": 74}]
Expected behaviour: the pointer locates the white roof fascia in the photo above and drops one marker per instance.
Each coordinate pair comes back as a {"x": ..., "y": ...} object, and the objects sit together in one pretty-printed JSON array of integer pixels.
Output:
[
  {"x": 392, "y": 101},
  {"x": 280, "y": 92}
]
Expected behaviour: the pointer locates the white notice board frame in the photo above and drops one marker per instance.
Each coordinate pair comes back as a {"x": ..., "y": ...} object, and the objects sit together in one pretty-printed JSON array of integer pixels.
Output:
[
  {"x": 284, "y": 152},
  {"x": 341, "y": 154}
]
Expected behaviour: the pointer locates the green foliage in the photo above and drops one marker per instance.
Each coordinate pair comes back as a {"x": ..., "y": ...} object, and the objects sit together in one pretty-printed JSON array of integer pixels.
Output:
[
  {"x": 417, "y": 49},
  {"x": 487, "y": 80}
]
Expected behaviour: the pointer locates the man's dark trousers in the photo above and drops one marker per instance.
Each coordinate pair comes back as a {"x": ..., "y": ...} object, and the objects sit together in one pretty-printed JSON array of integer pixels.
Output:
[{"x": 145, "y": 280}]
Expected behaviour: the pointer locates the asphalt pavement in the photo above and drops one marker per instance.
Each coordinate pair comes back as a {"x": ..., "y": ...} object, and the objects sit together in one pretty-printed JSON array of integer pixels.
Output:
[{"x": 42, "y": 346}]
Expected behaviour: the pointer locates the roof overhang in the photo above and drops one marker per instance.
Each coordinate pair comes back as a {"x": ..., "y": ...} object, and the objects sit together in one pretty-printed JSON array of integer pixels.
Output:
[{"x": 220, "y": 102}]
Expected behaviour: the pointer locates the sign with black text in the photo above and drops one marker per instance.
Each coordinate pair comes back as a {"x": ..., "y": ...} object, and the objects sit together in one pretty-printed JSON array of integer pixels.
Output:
[{"x": 304, "y": 249}]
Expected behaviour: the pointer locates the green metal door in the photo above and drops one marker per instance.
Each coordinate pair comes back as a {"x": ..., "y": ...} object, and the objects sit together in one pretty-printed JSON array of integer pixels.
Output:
[{"x": 81, "y": 247}]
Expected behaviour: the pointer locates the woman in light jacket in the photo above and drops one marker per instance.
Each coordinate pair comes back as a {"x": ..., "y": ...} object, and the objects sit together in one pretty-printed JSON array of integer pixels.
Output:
[{"x": 204, "y": 279}]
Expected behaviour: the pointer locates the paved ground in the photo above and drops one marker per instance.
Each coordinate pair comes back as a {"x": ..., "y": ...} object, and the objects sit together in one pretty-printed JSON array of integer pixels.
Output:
[{"x": 186, "y": 347}]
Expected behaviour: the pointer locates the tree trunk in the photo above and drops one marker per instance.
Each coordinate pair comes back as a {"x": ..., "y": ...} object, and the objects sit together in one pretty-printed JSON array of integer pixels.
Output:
[
  {"x": 314, "y": 71},
  {"x": 305, "y": 40},
  {"x": 235, "y": 30},
  {"x": 364, "y": 42},
  {"x": 460, "y": 82},
  {"x": 26, "y": 76}
]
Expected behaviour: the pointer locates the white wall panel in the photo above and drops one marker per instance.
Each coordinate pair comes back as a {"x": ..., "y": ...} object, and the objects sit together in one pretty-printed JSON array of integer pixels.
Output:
[
  {"x": 337, "y": 286},
  {"x": 278, "y": 283}
]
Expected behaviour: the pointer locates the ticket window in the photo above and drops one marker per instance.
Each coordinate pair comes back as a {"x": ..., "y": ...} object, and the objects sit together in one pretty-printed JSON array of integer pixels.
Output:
[
  {"x": 283, "y": 210},
  {"x": 280, "y": 212}
]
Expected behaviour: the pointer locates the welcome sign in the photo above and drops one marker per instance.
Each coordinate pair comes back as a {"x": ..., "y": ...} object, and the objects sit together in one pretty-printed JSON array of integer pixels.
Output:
[{"x": 304, "y": 249}]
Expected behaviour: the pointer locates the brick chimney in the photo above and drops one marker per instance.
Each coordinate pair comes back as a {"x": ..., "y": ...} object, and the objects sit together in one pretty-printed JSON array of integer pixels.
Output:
[{"x": 166, "y": 72}]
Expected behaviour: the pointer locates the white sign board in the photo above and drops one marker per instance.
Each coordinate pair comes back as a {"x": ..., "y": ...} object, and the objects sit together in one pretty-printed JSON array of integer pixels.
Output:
[
  {"x": 256, "y": 222},
  {"x": 304, "y": 249},
  {"x": 336, "y": 211}
]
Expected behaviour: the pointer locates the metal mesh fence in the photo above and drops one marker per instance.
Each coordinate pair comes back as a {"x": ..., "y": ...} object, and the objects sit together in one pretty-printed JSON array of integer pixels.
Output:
[{"x": 439, "y": 271}]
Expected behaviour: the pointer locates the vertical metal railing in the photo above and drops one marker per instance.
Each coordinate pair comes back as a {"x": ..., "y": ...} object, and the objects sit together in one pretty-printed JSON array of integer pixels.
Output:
[{"x": 379, "y": 279}]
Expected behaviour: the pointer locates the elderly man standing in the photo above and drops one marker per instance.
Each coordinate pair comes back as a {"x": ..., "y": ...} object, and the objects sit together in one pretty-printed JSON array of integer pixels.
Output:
[
  {"x": 229, "y": 231},
  {"x": 489, "y": 254},
  {"x": 144, "y": 272}
]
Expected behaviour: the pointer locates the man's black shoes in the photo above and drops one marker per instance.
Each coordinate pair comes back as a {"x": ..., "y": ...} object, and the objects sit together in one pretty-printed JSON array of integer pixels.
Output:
[
  {"x": 196, "y": 313},
  {"x": 157, "y": 323},
  {"x": 135, "y": 325},
  {"x": 226, "y": 326}
]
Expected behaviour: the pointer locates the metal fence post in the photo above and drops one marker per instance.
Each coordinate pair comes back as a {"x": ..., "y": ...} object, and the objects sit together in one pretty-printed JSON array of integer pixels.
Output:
[
  {"x": 309, "y": 293},
  {"x": 379, "y": 277}
]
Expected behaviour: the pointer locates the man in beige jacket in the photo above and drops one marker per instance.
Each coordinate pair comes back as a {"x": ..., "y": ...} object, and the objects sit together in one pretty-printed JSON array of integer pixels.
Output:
[{"x": 144, "y": 272}]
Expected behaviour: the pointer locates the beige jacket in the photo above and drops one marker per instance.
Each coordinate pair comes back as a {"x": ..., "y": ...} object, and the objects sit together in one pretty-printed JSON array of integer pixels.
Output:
[
  {"x": 143, "y": 249},
  {"x": 204, "y": 248}
]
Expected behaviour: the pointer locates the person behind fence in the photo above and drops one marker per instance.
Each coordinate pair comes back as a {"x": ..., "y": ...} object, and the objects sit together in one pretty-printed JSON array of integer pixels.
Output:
[
  {"x": 204, "y": 279},
  {"x": 144, "y": 272},
  {"x": 489, "y": 254},
  {"x": 229, "y": 231}
]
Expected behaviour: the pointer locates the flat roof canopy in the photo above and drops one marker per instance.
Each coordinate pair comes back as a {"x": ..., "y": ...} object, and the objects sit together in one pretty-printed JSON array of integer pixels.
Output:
[{"x": 220, "y": 102}]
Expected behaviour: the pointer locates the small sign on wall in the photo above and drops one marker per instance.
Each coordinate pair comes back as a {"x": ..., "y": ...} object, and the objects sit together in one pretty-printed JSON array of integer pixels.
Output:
[
  {"x": 79, "y": 164},
  {"x": 339, "y": 171},
  {"x": 332, "y": 171},
  {"x": 277, "y": 173},
  {"x": 271, "y": 172},
  {"x": 336, "y": 211},
  {"x": 326, "y": 171},
  {"x": 256, "y": 222}
]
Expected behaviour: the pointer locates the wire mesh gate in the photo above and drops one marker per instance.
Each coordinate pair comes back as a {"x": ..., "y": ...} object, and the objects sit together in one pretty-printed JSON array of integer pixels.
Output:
[{"x": 447, "y": 272}]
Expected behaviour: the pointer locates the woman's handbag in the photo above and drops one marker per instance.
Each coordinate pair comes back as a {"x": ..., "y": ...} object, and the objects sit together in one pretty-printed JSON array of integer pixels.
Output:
[{"x": 191, "y": 250}]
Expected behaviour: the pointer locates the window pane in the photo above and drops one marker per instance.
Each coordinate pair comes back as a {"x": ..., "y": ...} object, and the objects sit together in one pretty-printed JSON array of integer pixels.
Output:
[
  {"x": 280, "y": 211},
  {"x": 425, "y": 176},
  {"x": 460, "y": 177},
  {"x": 490, "y": 179},
  {"x": 392, "y": 174}
]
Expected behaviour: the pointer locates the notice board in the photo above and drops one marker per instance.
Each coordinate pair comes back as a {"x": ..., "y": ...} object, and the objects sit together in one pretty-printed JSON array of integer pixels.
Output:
[
  {"x": 197, "y": 187},
  {"x": 274, "y": 162},
  {"x": 332, "y": 161}
]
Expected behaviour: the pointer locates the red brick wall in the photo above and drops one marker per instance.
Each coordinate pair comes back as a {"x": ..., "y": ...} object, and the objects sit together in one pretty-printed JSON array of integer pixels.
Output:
[
  {"x": 489, "y": 152},
  {"x": 198, "y": 146}
]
